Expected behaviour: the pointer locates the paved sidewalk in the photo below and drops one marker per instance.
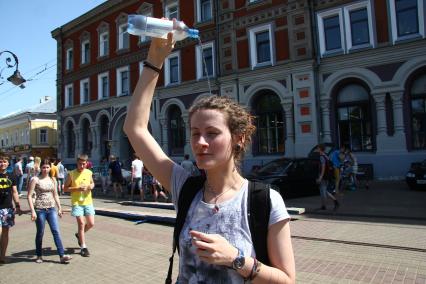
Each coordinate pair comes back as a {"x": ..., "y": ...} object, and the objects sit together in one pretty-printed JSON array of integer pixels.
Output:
[{"x": 377, "y": 236}]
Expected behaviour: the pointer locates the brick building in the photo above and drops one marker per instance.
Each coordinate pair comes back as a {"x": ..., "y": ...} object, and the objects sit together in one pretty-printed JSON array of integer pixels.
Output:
[{"x": 312, "y": 71}]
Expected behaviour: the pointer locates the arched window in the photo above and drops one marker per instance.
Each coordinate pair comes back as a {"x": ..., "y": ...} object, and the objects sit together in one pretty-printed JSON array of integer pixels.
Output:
[
  {"x": 354, "y": 124},
  {"x": 269, "y": 137},
  {"x": 70, "y": 140},
  {"x": 418, "y": 109},
  {"x": 176, "y": 131}
]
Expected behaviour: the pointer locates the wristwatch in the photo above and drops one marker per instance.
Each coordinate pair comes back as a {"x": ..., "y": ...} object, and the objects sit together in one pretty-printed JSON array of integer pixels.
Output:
[{"x": 239, "y": 261}]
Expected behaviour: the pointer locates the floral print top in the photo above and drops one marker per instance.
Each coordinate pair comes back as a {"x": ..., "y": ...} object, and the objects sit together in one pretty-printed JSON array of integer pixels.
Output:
[{"x": 44, "y": 193}]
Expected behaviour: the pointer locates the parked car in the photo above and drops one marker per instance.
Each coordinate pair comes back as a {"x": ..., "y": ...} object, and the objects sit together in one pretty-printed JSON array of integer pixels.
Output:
[
  {"x": 292, "y": 177},
  {"x": 416, "y": 176}
]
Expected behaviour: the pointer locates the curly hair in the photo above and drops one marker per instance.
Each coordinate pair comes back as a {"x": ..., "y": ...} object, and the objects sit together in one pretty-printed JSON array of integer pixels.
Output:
[{"x": 239, "y": 120}]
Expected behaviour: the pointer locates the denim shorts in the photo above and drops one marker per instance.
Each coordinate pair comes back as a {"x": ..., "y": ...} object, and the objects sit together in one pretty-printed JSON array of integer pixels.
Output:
[
  {"x": 7, "y": 217},
  {"x": 82, "y": 210}
]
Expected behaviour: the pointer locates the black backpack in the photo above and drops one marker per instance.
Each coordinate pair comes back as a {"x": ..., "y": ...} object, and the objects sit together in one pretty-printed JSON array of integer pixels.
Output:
[
  {"x": 259, "y": 207},
  {"x": 329, "y": 170}
]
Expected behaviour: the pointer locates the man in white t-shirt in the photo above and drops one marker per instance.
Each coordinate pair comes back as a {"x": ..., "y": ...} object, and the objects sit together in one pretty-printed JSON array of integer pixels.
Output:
[{"x": 137, "y": 167}]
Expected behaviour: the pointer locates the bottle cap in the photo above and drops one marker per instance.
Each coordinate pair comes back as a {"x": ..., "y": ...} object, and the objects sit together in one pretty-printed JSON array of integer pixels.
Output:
[{"x": 193, "y": 33}]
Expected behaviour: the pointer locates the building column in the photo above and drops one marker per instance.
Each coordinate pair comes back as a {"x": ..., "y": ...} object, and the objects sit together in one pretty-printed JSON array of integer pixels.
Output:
[
  {"x": 64, "y": 145},
  {"x": 399, "y": 142},
  {"x": 187, "y": 147},
  {"x": 164, "y": 131},
  {"x": 396, "y": 142},
  {"x": 78, "y": 143},
  {"x": 95, "y": 143},
  {"x": 289, "y": 127},
  {"x": 325, "y": 119}
]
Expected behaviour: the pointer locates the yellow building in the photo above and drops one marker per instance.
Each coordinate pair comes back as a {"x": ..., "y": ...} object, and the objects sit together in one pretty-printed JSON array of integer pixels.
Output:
[{"x": 30, "y": 132}]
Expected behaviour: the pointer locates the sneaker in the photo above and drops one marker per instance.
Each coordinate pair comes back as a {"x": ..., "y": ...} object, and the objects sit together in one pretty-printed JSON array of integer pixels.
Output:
[
  {"x": 39, "y": 260},
  {"x": 336, "y": 205},
  {"x": 65, "y": 258},
  {"x": 78, "y": 239},
  {"x": 85, "y": 252}
]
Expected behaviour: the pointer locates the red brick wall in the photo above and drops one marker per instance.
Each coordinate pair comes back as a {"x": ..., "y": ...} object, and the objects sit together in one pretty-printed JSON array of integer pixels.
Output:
[
  {"x": 381, "y": 20},
  {"x": 187, "y": 61},
  {"x": 243, "y": 56},
  {"x": 282, "y": 45}
]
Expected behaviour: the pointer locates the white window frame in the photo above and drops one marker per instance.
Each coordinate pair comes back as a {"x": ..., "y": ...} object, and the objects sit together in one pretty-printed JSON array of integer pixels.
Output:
[
  {"x": 100, "y": 86},
  {"x": 85, "y": 60},
  {"x": 320, "y": 22},
  {"x": 102, "y": 44},
  {"x": 144, "y": 38},
  {"x": 82, "y": 82},
  {"x": 67, "y": 95},
  {"x": 169, "y": 6},
  {"x": 200, "y": 62},
  {"x": 199, "y": 18},
  {"x": 167, "y": 67},
  {"x": 121, "y": 36},
  {"x": 69, "y": 61},
  {"x": 119, "y": 79},
  {"x": 40, "y": 136},
  {"x": 347, "y": 10},
  {"x": 421, "y": 20},
  {"x": 253, "y": 47}
]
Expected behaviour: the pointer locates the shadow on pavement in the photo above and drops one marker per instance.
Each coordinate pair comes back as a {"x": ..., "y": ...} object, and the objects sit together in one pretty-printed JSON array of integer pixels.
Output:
[
  {"x": 385, "y": 202},
  {"x": 30, "y": 255}
]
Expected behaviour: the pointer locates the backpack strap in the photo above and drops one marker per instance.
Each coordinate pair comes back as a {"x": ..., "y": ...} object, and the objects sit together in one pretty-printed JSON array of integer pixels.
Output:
[
  {"x": 258, "y": 211},
  {"x": 189, "y": 189}
]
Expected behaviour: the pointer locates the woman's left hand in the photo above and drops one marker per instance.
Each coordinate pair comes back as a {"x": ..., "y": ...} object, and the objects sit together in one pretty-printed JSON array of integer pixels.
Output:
[
  {"x": 213, "y": 248},
  {"x": 60, "y": 212}
]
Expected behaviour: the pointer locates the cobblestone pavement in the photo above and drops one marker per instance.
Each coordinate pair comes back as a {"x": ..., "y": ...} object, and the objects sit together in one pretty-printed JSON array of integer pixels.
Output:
[{"x": 345, "y": 247}]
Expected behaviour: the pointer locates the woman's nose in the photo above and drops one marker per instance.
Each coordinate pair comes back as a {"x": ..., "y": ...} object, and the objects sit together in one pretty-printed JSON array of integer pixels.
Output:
[{"x": 201, "y": 141}]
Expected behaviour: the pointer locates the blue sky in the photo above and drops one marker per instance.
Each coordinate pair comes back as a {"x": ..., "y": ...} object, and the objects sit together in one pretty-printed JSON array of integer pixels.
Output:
[{"x": 25, "y": 29}]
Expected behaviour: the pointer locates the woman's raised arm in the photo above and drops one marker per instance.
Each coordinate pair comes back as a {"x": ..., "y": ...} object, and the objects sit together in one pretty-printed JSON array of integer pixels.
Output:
[{"x": 136, "y": 123}]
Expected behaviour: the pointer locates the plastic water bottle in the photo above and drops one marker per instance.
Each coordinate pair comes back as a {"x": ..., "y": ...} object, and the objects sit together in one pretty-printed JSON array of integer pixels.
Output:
[{"x": 147, "y": 26}]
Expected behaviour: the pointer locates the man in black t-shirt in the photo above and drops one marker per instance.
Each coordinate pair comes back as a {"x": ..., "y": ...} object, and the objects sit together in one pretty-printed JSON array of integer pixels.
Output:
[
  {"x": 116, "y": 175},
  {"x": 8, "y": 191}
]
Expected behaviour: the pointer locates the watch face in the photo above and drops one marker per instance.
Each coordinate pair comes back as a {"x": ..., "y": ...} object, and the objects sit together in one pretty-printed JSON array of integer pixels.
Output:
[{"x": 238, "y": 262}]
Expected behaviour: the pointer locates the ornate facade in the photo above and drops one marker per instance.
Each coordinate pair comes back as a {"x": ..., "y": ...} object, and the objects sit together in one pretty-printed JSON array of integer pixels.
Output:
[{"x": 346, "y": 72}]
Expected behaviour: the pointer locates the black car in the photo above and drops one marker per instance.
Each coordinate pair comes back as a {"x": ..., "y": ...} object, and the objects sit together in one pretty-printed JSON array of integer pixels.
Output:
[
  {"x": 292, "y": 177},
  {"x": 416, "y": 176}
]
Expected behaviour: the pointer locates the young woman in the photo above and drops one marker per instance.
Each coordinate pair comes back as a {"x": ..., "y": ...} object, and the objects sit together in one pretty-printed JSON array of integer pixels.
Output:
[
  {"x": 215, "y": 235},
  {"x": 43, "y": 209}
]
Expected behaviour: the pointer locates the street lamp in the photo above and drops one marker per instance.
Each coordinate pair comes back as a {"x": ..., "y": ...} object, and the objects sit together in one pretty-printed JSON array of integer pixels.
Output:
[{"x": 16, "y": 79}]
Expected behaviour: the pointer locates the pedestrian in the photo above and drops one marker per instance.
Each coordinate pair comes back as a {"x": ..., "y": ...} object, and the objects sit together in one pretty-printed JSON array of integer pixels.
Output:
[
  {"x": 188, "y": 165},
  {"x": 116, "y": 176},
  {"x": 136, "y": 179},
  {"x": 19, "y": 175},
  {"x": 215, "y": 235},
  {"x": 44, "y": 209},
  {"x": 80, "y": 183},
  {"x": 61, "y": 176},
  {"x": 53, "y": 169},
  {"x": 325, "y": 179},
  {"x": 104, "y": 175},
  {"x": 29, "y": 168},
  {"x": 157, "y": 189},
  {"x": 8, "y": 192},
  {"x": 336, "y": 158}
]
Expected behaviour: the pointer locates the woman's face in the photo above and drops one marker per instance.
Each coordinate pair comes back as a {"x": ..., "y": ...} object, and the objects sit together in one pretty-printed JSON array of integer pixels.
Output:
[
  {"x": 45, "y": 169},
  {"x": 211, "y": 140}
]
